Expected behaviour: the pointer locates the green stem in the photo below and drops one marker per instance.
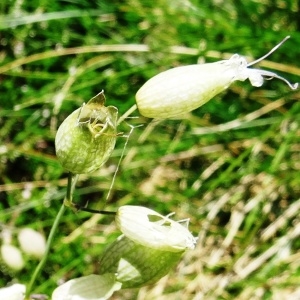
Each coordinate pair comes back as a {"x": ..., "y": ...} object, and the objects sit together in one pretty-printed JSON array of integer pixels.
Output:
[
  {"x": 48, "y": 246},
  {"x": 67, "y": 200},
  {"x": 72, "y": 180},
  {"x": 94, "y": 211},
  {"x": 126, "y": 114}
]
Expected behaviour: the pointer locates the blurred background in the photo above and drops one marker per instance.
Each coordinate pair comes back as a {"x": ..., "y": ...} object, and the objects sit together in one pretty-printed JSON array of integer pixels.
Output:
[{"x": 231, "y": 166}]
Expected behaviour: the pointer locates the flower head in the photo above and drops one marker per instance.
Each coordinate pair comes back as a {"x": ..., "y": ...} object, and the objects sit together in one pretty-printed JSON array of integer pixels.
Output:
[
  {"x": 87, "y": 137},
  {"x": 149, "y": 248},
  {"x": 178, "y": 91},
  {"x": 136, "y": 265}
]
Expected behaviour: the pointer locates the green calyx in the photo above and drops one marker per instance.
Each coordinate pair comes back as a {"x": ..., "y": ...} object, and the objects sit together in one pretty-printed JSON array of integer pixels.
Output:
[
  {"x": 136, "y": 265},
  {"x": 87, "y": 137}
]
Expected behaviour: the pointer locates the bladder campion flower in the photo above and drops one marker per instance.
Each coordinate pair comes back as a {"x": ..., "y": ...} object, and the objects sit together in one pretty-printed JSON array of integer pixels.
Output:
[
  {"x": 183, "y": 89},
  {"x": 87, "y": 137},
  {"x": 150, "y": 247},
  {"x": 135, "y": 265}
]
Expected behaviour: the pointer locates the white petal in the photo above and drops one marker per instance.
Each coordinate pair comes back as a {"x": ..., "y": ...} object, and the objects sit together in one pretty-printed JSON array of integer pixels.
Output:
[
  {"x": 151, "y": 229},
  {"x": 92, "y": 287},
  {"x": 32, "y": 242},
  {"x": 14, "y": 292},
  {"x": 12, "y": 256},
  {"x": 255, "y": 77}
]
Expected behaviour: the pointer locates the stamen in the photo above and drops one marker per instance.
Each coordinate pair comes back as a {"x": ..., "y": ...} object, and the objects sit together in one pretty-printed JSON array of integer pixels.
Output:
[
  {"x": 269, "y": 53},
  {"x": 274, "y": 75},
  {"x": 271, "y": 74}
]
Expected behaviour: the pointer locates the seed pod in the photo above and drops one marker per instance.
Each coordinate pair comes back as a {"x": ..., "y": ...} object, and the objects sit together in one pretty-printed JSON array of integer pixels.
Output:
[
  {"x": 87, "y": 137},
  {"x": 136, "y": 265},
  {"x": 183, "y": 89}
]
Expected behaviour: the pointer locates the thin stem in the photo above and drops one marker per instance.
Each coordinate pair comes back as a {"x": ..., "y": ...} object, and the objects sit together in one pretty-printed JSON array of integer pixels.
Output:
[
  {"x": 48, "y": 247},
  {"x": 127, "y": 113},
  {"x": 94, "y": 211},
  {"x": 67, "y": 200},
  {"x": 72, "y": 180}
]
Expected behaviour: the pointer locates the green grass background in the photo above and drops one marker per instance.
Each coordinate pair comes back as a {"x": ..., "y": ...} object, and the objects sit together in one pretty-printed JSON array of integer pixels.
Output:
[{"x": 231, "y": 166}]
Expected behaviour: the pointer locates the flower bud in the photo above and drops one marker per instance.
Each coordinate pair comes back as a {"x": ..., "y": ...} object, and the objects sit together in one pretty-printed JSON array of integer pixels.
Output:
[
  {"x": 136, "y": 265},
  {"x": 13, "y": 292},
  {"x": 151, "y": 229},
  {"x": 32, "y": 242},
  {"x": 87, "y": 137},
  {"x": 12, "y": 256}
]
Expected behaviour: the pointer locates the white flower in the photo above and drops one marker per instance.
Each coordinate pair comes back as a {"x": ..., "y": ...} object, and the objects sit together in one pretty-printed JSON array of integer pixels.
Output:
[
  {"x": 180, "y": 90},
  {"x": 12, "y": 256},
  {"x": 151, "y": 229},
  {"x": 14, "y": 292},
  {"x": 92, "y": 287},
  {"x": 32, "y": 242}
]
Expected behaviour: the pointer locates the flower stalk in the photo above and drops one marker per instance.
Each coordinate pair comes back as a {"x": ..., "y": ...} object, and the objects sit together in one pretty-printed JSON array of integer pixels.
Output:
[{"x": 68, "y": 199}]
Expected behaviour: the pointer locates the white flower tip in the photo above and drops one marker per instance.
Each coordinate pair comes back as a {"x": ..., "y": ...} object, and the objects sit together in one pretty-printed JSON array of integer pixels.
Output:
[
  {"x": 32, "y": 242},
  {"x": 151, "y": 229},
  {"x": 14, "y": 292},
  {"x": 12, "y": 256},
  {"x": 92, "y": 287}
]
